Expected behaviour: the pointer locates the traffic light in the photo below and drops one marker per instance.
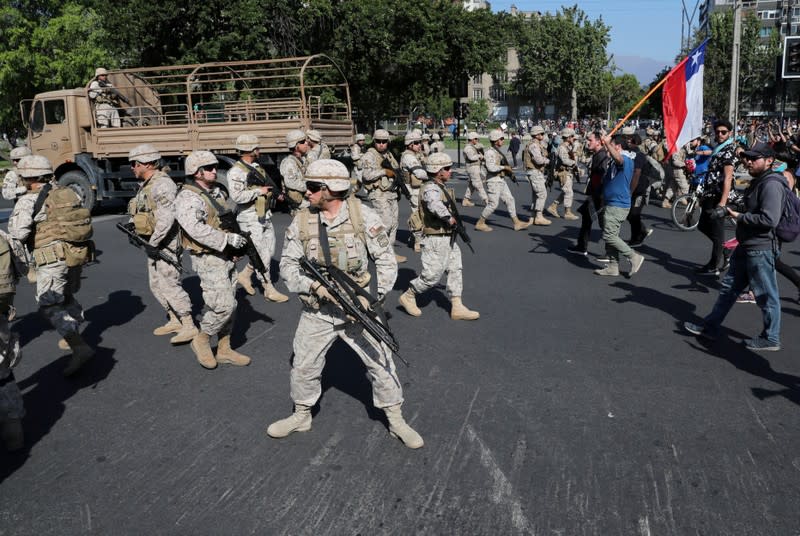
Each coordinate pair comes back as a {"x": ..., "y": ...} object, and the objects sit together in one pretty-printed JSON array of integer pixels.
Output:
[
  {"x": 464, "y": 110},
  {"x": 791, "y": 57},
  {"x": 457, "y": 110}
]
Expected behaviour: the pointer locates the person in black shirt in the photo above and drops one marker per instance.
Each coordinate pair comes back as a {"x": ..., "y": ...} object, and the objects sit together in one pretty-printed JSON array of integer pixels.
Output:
[
  {"x": 594, "y": 191},
  {"x": 639, "y": 185}
]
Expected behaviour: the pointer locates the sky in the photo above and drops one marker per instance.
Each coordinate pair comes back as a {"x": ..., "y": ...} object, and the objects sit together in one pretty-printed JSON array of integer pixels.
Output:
[{"x": 647, "y": 29}]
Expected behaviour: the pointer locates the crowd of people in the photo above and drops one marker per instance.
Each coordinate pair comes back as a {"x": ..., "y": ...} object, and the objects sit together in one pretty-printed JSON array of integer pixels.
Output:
[{"x": 49, "y": 237}]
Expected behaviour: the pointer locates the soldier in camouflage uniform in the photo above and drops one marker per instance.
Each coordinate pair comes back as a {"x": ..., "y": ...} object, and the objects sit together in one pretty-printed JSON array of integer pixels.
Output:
[
  {"x": 497, "y": 169},
  {"x": 292, "y": 169},
  {"x": 413, "y": 175},
  {"x": 438, "y": 145},
  {"x": 440, "y": 253},
  {"x": 356, "y": 152},
  {"x": 105, "y": 100},
  {"x": 58, "y": 261},
  {"x": 254, "y": 215},
  {"x": 473, "y": 159},
  {"x": 567, "y": 167},
  {"x": 426, "y": 144},
  {"x": 355, "y": 233},
  {"x": 152, "y": 212},
  {"x": 379, "y": 183},
  {"x": 11, "y": 186},
  {"x": 535, "y": 160},
  {"x": 678, "y": 184},
  {"x": 202, "y": 209},
  {"x": 317, "y": 149},
  {"x": 12, "y": 409}
]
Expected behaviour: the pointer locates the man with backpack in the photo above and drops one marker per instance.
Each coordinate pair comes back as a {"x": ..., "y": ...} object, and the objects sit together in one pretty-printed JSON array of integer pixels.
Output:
[{"x": 753, "y": 260}]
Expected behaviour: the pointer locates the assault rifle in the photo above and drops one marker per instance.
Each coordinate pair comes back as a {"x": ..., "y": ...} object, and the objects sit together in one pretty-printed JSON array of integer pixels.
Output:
[
  {"x": 398, "y": 185},
  {"x": 458, "y": 228},
  {"x": 254, "y": 178},
  {"x": 152, "y": 251},
  {"x": 109, "y": 88},
  {"x": 228, "y": 223},
  {"x": 346, "y": 293}
]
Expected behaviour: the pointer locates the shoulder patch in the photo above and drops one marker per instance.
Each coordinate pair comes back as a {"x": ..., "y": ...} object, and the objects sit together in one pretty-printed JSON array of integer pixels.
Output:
[{"x": 375, "y": 231}]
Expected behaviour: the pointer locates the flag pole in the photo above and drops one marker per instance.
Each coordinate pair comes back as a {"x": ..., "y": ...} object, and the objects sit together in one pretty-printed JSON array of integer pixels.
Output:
[{"x": 640, "y": 103}]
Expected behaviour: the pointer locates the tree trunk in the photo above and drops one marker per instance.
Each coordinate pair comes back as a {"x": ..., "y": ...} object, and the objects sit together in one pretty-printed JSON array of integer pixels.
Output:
[{"x": 573, "y": 102}]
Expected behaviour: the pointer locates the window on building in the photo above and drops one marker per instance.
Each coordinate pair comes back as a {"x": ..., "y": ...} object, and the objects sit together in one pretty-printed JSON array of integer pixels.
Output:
[
  {"x": 477, "y": 93},
  {"x": 498, "y": 93},
  {"x": 765, "y": 32},
  {"x": 477, "y": 79}
]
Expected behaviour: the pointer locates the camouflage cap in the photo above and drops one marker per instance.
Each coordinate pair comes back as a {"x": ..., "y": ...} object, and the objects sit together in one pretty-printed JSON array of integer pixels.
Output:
[
  {"x": 411, "y": 137},
  {"x": 144, "y": 153},
  {"x": 33, "y": 166},
  {"x": 360, "y": 137},
  {"x": 246, "y": 143},
  {"x": 381, "y": 134},
  {"x": 496, "y": 134},
  {"x": 628, "y": 131},
  {"x": 331, "y": 172},
  {"x": 537, "y": 129},
  {"x": 435, "y": 137},
  {"x": 19, "y": 152},
  {"x": 314, "y": 135},
  {"x": 437, "y": 161},
  {"x": 197, "y": 159},
  {"x": 293, "y": 137},
  {"x": 472, "y": 135},
  {"x": 100, "y": 71},
  {"x": 567, "y": 132}
]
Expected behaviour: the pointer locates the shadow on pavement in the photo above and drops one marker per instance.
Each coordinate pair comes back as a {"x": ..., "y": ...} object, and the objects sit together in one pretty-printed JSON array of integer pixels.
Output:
[{"x": 345, "y": 372}]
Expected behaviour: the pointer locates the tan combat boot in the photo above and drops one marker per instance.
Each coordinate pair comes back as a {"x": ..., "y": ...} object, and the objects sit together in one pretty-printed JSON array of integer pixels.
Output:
[
  {"x": 81, "y": 353},
  {"x": 569, "y": 215},
  {"x": 400, "y": 429},
  {"x": 399, "y": 258},
  {"x": 458, "y": 311},
  {"x": 228, "y": 356},
  {"x": 666, "y": 204},
  {"x": 519, "y": 225},
  {"x": 202, "y": 350},
  {"x": 553, "y": 210},
  {"x": 467, "y": 203},
  {"x": 245, "y": 278},
  {"x": 481, "y": 226},
  {"x": 272, "y": 294},
  {"x": 12, "y": 434},
  {"x": 299, "y": 421},
  {"x": 173, "y": 325},
  {"x": 408, "y": 301},
  {"x": 187, "y": 332},
  {"x": 539, "y": 219}
]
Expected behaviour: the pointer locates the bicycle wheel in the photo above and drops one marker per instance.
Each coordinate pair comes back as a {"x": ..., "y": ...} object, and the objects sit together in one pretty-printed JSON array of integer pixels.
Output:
[{"x": 686, "y": 212}]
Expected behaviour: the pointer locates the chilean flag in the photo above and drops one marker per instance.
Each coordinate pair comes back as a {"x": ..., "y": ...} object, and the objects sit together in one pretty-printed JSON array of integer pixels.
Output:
[{"x": 682, "y": 99}]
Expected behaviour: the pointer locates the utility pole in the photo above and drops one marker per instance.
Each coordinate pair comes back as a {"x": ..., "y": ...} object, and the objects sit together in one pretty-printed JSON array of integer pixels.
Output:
[
  {"x": 686, "y": 25},
  {"x": 733, "y": 104}
]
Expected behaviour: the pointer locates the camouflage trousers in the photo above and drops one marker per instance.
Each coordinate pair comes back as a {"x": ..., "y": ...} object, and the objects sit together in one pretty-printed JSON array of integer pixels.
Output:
[
  {"x": 56, "y": 286},
  {"x": 566, "y": 196},
  {"x": 315, "y": 334},
  {"x": 165, "y": 284},
  {"x": 539, "y": 185},
  {"x": 385, "y": 204},
  {"x": 438, "y": 257},
  {"x": 11, "y": 405},
  {"x": 262, "y": 234},
  {"x": 475, "y": 184},
  {"x": 107, "y": 116},
  {"x": 218, "y": 283},
  {"x": 414, "y": 203},
  {"x": 497, "y": 190},
  {"x": 677, "y": 185}
]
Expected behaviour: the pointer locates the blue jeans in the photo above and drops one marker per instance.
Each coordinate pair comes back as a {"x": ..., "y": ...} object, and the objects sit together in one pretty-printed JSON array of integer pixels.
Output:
[{"x": 755, "y": 268}]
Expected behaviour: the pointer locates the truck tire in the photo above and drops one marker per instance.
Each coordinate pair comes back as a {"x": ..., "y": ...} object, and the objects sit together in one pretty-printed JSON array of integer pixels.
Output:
[{"x": 79, "y": 182}]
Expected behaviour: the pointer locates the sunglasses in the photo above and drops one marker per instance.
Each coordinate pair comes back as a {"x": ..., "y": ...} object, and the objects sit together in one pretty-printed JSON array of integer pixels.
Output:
[
  {"x": 315, "y": 187},
  {"x": 447, "y": 168},
  {"x": 751, "y": 158},
  {"x": 722, "y": 131},
  {"x": 209, "y": 168},
  {"x": 381, "y": 141}
]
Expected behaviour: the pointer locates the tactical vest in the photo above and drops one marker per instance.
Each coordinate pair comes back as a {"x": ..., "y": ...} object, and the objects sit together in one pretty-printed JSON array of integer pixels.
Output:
[
  {"x": 7, "y": 274},
  {"x": 431, "y": 223},
  {"x": 65, "y": 234},
  {"x": 213, "y": 219},
  {"x": 409, "y": 177},
  {"x": 296, "y": 197},
  {"x": 262, "y": 202},
  {"x": 347, "y": 243},
  {"x": 141, "y": 209},
  {"x": 385, "y": 184}
]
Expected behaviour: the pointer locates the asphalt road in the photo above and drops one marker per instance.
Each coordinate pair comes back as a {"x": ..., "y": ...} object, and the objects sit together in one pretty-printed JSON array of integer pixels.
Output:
[{"x": 574, "y": 406}]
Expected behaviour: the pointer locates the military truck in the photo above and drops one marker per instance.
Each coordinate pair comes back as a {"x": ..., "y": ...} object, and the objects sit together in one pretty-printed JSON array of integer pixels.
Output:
[{"x": 183, "y": 108}]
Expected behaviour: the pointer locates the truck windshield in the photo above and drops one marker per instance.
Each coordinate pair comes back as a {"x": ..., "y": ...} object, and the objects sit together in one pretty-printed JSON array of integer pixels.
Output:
[
  {"x": 37, "y": 117},
  {"x": 54, "y": 112}
]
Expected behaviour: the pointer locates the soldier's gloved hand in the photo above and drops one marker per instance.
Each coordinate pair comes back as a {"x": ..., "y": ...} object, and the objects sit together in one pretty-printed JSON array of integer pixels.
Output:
[
  {"x": 321, "y": 292},
  {"x": 508, "y": 169},
  {"x": 235, "y": 241}
]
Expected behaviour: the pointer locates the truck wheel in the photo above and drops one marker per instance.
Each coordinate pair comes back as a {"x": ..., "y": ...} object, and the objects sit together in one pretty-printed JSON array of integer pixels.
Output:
[{"x": 78, "y": 181}]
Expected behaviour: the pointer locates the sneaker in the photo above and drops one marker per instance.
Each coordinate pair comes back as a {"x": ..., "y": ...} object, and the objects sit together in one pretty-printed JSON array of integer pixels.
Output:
[
  {"x": 761, "y": 344},
  {"x": 706, "y": 270},
  {"x": 725, "y": 266},
  {"x": 611, "y": 270},
  {"x": 603, "y": 259},
  {"x": 746, "y": 297},
  {"x": 699, "y": 330},
  {"x": 577, "y": 250},
  {"x": 638, "y": 242},
  {"x": 636, "y": 263}
]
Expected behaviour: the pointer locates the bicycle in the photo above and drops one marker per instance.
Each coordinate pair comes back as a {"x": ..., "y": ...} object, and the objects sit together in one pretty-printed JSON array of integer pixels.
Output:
[{"x": 686, "y": 208}]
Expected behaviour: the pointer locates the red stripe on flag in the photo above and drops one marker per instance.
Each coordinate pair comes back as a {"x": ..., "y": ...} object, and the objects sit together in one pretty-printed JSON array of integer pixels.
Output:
[{"x": 673, "y": 97}]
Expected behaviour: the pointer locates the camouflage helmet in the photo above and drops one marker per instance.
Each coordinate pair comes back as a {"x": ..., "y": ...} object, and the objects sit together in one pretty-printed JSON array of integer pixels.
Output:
[
  {"x": 567, "y": 132},
  {"x": 360, "y": 137},
  {"x": 100, "y": 71},
  {"x": 651, "y": 131},
  {"x": 198, "y": 159},
  {"x": 411, "y": 137},
  {"x": 496, "y": 134},
  {"x": 426, "y": 137},
  {"x": 331, "y": 172},
  {"x": 472, "y": 135},
  {"x": 435, "y": 137},
  {"x": 628, "y": 131},
  {"x": 19, "y": 152},
  {"x": 293, "y": 137},
  {"x": 536, "y": 130},
  {"x": 314, "y": 135},
  {"x": 246, "y": 143},
  {"x": 436, "y": 162},
  {"x": 144, "y": 153},
  {"x": 33, "y": 166},
  {"x": 381, "y": 134}
]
